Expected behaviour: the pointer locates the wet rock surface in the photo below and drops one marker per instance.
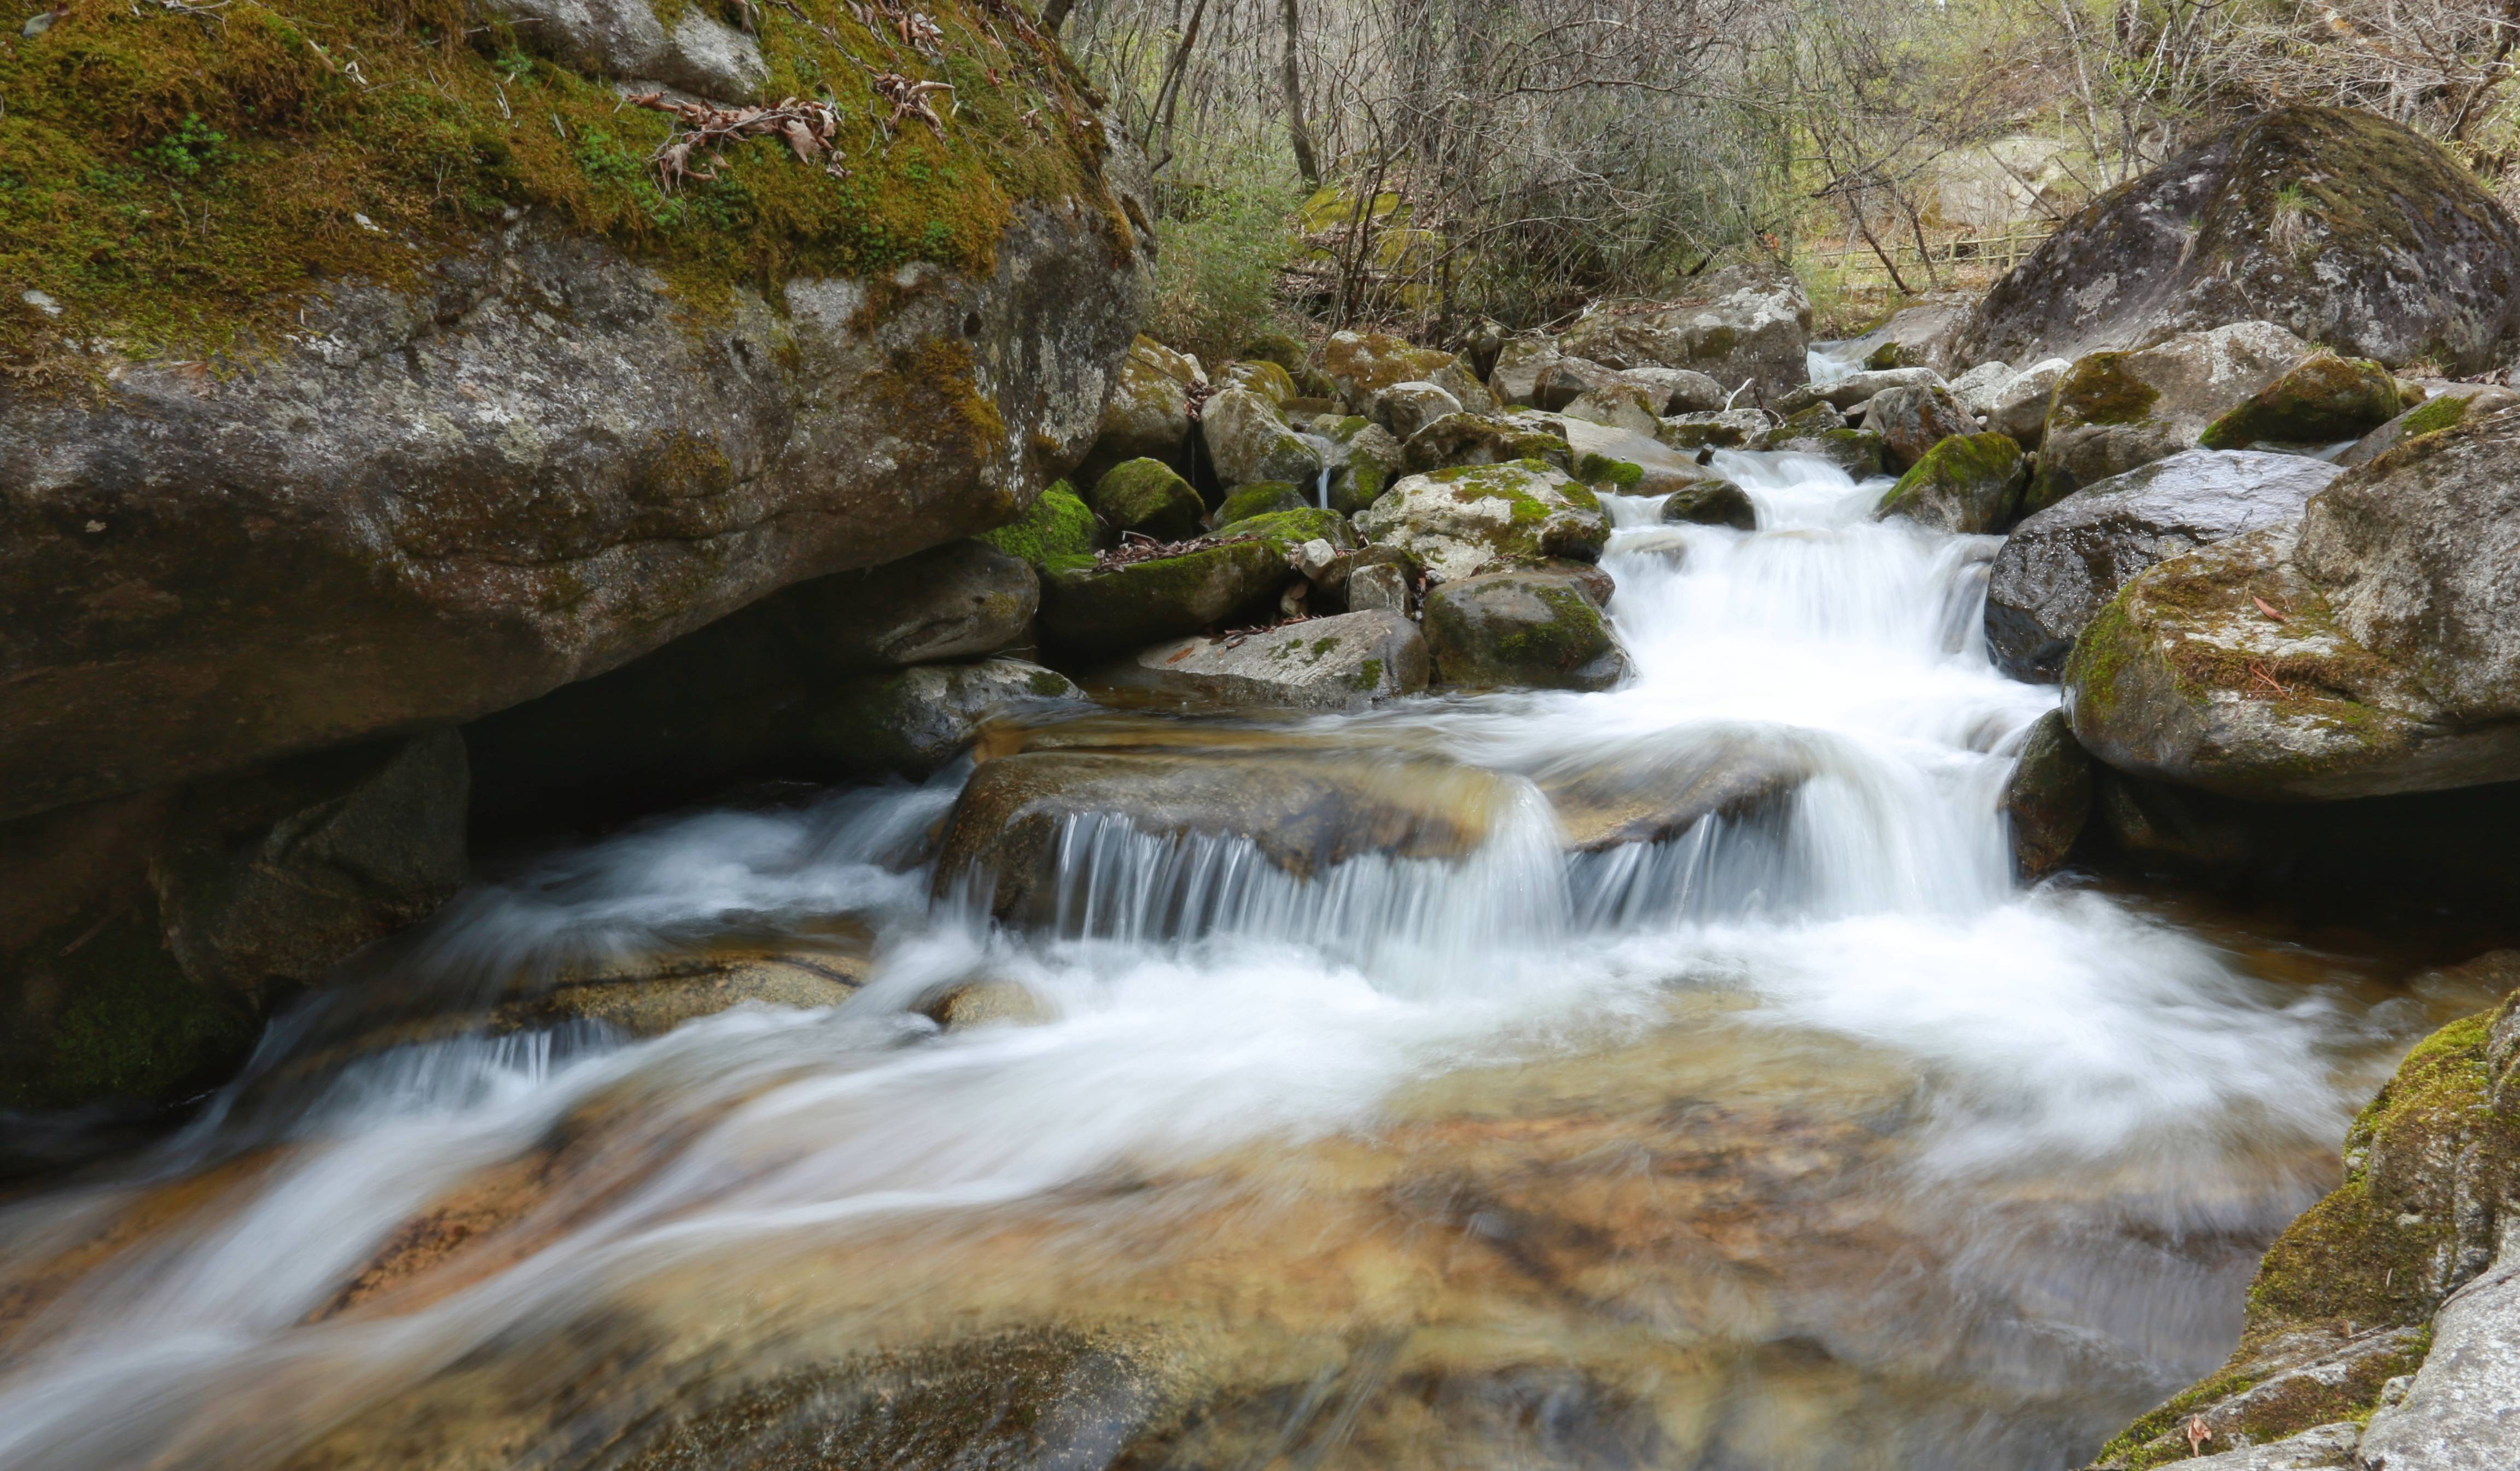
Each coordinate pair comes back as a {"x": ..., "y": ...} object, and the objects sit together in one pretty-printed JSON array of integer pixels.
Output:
[
  {"x": 1535, "y": 629},
  {"x": 1104, "y": 609},
  {"x": 2060, "y": 567},
  {"x": 1344, "y": 662},
  {"x": 1966, "y": 483},
  {"x": 2114, "y": 411}
]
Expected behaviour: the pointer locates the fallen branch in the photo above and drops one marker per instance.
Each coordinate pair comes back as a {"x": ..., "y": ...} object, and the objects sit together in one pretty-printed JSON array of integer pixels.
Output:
[
  {"x": 909, "y": 99},
  {"x": 810, "y": 129}
]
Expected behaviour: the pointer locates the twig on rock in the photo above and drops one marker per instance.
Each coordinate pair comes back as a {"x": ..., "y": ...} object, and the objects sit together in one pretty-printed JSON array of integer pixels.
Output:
[{"x": 810, "y": 129}]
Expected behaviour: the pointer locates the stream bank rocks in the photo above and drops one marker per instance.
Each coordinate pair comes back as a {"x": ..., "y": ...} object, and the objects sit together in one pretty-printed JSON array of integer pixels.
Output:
[
  {"x": 1346, "y": 661},
  {"x": 2114, "y": 411},
  {"x": 2340, "y": 226},
  {"x": 1531, "y": 630},
  {"x": 1739, "y": 325},
  {"x": 1461, "y": 521}
]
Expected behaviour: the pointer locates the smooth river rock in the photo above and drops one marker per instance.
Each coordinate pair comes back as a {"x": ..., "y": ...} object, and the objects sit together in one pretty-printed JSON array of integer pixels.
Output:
[
  {"x": 2060, "y": 567},
  {"x": 2114, "y": 411},
  {"x": 1474, "y": 518},
  {"x": 1521, "y": 630},
  {"x": 1344, "y": 662}
]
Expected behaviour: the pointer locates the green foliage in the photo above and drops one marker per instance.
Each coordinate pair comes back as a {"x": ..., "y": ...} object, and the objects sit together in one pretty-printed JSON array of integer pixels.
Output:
[
  {"x": 1216, "y": 275},
  {"x": 186, "y": 152}
]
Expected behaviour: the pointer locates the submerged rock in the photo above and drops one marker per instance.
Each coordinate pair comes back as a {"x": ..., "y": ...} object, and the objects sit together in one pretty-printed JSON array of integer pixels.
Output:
[
  {"x": 2060, "y": 567},
  {"x": 1104, "y": 609},
  {"x": 2341, "y": 226},
  {"x": 2322, "y": 400},
  {"x": 1146, "y": 497},
  {"x": 2114, "y": 411},
  {"x": 1968, "y": 483},
  {"x": 1458, "y": 522},
  {"x": 1536, "y": 630},
  {"x": 2047, "y": 799},
  {"x": 1345, "y": 662},
  {"x": 651, "y": 995}
]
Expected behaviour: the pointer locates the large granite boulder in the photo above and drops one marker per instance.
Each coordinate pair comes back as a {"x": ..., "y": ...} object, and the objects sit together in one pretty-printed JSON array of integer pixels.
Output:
[
  {"x": 1147, "y": 414},
  {"x": 437, "y": 501},
  {"x": 1521, "y": 630},
  {"x": 143, "y": 938},
  {"x": 2323, "y": 401},
  {"x": 1737, "y": 324},
  {"x": 1910, "y": 421},
  {"x": 1471, "y": 519},
  {"x": 2343, "y": 227},
  {"x": 1408, "y": 407},
  {"x": 1859, "y": 387},
  {"x": 1923, "y": 334},
  {"x": 626, "y": 39},
  {"x": 2448, "y": 406},
  {"x": 1967, "y": 483},
  {"x": 2019, "y": 405},
  {"x": 2060, "y": 567},
  {"x": 910, "y": 722},
  {"x": 1109, "y": 607},
  {"x": 2114, "y": 411},
  {"x": 1345, "y": 662},
  {"x": 1363, "y": 364},
  {"x": 1248, "y": 443}
]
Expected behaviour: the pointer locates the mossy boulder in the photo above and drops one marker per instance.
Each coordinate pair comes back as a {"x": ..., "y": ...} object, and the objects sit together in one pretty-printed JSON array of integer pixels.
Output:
[
  {"x": 1104, "y": 609},
  {"x": 1248, "y": 443},
  {"x": 1362, "y": 363},
  {"x": 2113, "y": 410},
  {"x": 1711, "y": 502},
  {"x": 1405, "y": 408},
  {"x": 1054, "y": 530},
  {"x": 144, "y": 938},
  {"x": 2449, "y": 406},
  {"x": 910, "y": 722},
  {"x": 1475, "y": 519},
  {"x": 1261, "y": 377},
  {"x": 1968, "y": 483},
  {"x": 2058, "y": 568},
  {"x": 1370, "y": 461},
  {"x": 1733, "y": 325},
  {"x": 1147, "y": 414},
  {"x": 1288, "y": 529},
  {"x": 2230, "y": 669},
  {"x": 1521, "y": 630},
  {"x": 2346, "y": 228},
  {"x": 335, "y": 516},
  {"x": 1284, "y": 348},
  {"x": 1264, "y": 499},
  {"x": 1146, "y": 497},
  {"x": 2322, "y": 400},
  {"x": 1463, "y": 439},
  {"x": 1716, "y": 430},
  {"x": 1345, "y": 662},
  {"x": 2359, "y": 1291},
  {"x": 2047, "y": 799}
]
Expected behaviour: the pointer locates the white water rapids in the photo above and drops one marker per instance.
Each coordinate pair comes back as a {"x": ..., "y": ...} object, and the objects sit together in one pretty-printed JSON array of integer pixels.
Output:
[{"x": 2064, "y": 1088}]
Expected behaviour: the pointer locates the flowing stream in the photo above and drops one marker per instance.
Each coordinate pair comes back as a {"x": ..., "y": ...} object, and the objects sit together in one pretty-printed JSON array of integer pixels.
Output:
[{"x": 1798, "y": 1137}]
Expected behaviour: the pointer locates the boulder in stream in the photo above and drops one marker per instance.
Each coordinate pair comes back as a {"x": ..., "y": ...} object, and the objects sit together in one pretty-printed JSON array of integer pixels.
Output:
[
  {"x": 2060, "y": 567},
  {"x": 2322, "y": 400},
  {"x": 1345, "y": 662},
  {"x": 910, "y": 722},
  {"x": 1711, "y": 502},
  {"x": 1267, "y": 498},
  {"x": 1147, "y": 415},
  {"x": 2019, "y": 405},
  {"x": 1521, "y": 630},
  {"x": 2114, "y": 411},
  {"x": 2339, "y": 225},
  {"x": 1122, "y": 604},
  {"x": 1459, "y": 439},
  {"x": 1475, "y": 519},
  {"x": 1738, "y": 325},
  {"x": 1912, "y": 420},
  {"x": 2047, "y": 799},
  {"x": 1247, "y": 442},
  {"x": 1966, "y": 483},
  {"x": 1146, "y": 497}
]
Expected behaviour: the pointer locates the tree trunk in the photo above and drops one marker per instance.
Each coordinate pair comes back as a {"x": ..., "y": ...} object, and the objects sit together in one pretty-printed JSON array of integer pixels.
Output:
[
  {"x": 1299, "y": 137},
  {"x": 1054, "y": 15}
]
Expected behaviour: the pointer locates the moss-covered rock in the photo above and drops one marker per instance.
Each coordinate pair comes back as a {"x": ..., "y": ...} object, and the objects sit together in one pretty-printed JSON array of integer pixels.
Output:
[
  {"x": 1274, "y": 345},
  {"x": 1261, "y": 377},
  {"x": 1459, "y": 439},
  {"x": 1054, "y": 530},
  {"x": 2322, "y": 400},
  {"x": 1476, "y": 519},
  {"x": 1734, "y": 324},
  {"x": 1535, "y": 629},
  {"x": 1264, "y": 499},
  {"x": 1147, "y": 414},
  {"x": 2113, "y": 410},
  {"x": 1911, "y": 420},
  {"x": 1248, "y": 443},
  {"x": 2449, "y": 406},
  {"x": 1370, "y": 461},
  {"x": 1363, "y": 364},
  {"x": 2047, "y": 799},
  {"x": 1968, "y": 483},
  {"x": 1288, "y": 529},
  {"x": 1104, "y": 609},
  {"x": 1716, "y": 430},
  {"x": 1146, "y": 497},
  {"x": 2344, "y": 227},
  {"x": 1711, "y": 502}
]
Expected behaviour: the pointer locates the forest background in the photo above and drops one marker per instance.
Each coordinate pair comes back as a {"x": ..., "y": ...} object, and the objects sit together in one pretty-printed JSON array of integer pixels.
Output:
[{"x": 1451, "y": 167}]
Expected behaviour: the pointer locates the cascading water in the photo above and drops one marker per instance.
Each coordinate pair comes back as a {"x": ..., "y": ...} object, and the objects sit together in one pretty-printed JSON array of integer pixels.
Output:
[{"x": 1796, "y": 1136}]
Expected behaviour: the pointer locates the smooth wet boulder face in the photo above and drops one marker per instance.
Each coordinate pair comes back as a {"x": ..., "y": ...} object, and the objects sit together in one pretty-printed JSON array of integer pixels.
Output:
[
  {"x": 647, "y": 994},
  {"x": 1736, "y": 326},
  {"x": 2449, "y": 406},
  {"x": 1463, "y": 439},
  {"x": 1561, "y": 380},
  {"x": 1619, "y": 406},
  {"x": 2019, "y": 405},
  {"x": 911, "y": 721},
  {"x": 1104, "y": 609},
  {"x": 1147, "y": 415},
  {"x": 1146, "y": 497},
  {"x": 1521, "y": 630},
  {"x": 1460, "y": 522},
  {"x": 1247, "y": 442},
  {"x": 1968, "y": 483},
  {"x": 1362, "y": 363},
  {"x": 1383, "y": 587},
  {"x": 955, "y": 601},
  {"x": 2227, "y": 669},
  {"x": 1911, "y": 420},
  {"x": 2058, "y": 568},
  {"x": 1405, "y": 408},
  {"x": 1976, "y": 389},
  {"x": 387, "y": 523},
  {"x": 2047, "y": 799},
  {"x": 143, "y": 938},
  {"x": 2341, "y": 226},
  {"x": 1711, "y": 502},
  {"x": 2419, "y": 554},
  {"x": 2114, "y": 411},
  {"x": 626, "y": 39},
  {"x": 1345, "y": 662},
  {"x": 2321, "y": 401}
]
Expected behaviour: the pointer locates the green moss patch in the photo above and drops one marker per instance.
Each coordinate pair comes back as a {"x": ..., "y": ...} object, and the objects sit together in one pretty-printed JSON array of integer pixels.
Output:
[
  {"x": 1260, "y": 498},
  {"x": 179, "y": 183},
  {"x": 1144, "y": 496},
  {"x": 2324, "y": 398},
  {"x": 1056, "y": 531},
  {"x": 2100, "y": 389}
]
